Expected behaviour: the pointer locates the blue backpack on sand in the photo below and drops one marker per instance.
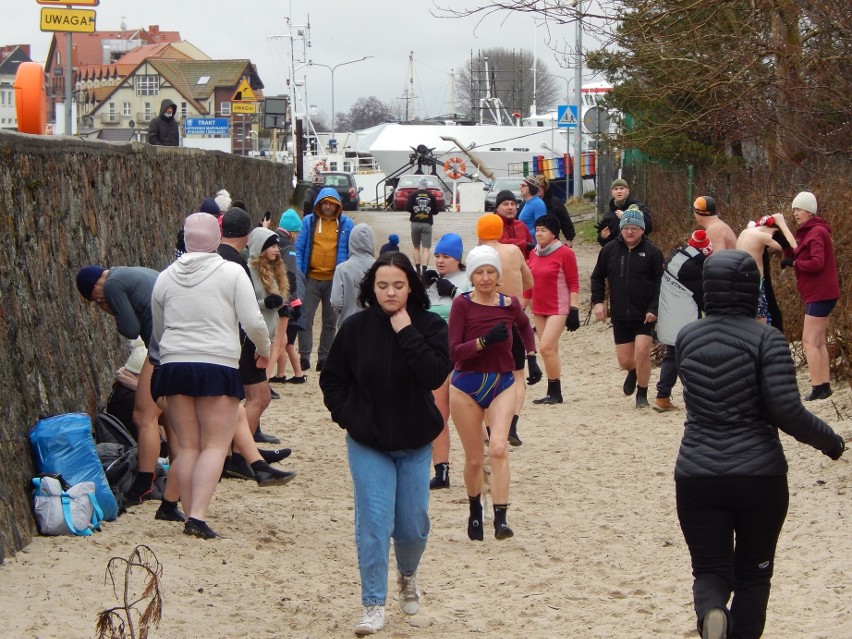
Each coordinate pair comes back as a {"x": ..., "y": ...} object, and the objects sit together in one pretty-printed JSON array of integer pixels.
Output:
[{"x": 63, "y": 444}]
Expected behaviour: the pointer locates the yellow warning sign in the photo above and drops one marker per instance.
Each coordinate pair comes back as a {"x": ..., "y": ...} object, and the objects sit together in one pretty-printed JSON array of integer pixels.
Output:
[
  {"x": 243, "y": 93},
  {"x": 241, "y": 107},
  {"x": 68, "y": 20}
]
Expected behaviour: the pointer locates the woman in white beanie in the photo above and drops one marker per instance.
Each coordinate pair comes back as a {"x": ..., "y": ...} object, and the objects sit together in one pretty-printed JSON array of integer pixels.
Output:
[
  {"x": 812, "y": 257},
  {"x": 481, "y": 324}
]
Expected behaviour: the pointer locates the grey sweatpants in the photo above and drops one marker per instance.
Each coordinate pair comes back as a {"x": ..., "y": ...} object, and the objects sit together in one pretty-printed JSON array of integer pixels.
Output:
[{"x": 317, "y": 292}]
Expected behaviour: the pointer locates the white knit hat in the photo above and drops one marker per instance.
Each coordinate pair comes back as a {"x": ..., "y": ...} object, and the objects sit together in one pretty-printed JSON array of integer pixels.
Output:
[
  {"x": 223, "y": 199},
  {"x": 482, "y": 256},
  {"x": 805, "y": 201},
  {"x": 138, "y": 353}
]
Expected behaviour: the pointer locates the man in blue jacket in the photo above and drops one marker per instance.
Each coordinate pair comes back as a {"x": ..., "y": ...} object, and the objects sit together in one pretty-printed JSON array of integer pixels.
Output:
[{"x": 323, "y": 243}]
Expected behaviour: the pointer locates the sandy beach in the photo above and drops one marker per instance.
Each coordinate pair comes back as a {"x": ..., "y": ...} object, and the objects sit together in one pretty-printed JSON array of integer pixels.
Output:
[{"x": 597, "y": 551}]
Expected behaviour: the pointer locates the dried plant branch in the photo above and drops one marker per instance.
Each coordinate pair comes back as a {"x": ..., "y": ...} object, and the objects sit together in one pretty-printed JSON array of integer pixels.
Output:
[{"x": 142, "y": 572}]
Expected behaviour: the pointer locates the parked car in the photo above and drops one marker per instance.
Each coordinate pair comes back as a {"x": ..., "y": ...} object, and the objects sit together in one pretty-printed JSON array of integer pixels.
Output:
[
  {"x": 502, "y": 184},
  {"x": 408, "y": 184},
  {"x": 347, "y": 189}
]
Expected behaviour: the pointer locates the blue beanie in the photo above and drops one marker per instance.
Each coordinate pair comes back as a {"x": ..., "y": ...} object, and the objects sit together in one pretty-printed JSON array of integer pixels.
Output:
[
  {"x": 209, "y": 206},
  {"x": 87, "y": 277},
  {"x": 290, "y": 221},
  {"x": 450, "y": 244},
  {"x": 393, "y": 238}
]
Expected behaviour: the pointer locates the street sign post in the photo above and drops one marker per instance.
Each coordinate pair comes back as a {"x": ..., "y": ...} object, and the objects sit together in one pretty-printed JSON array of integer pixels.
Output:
[
  {"x": 206, "y": 126},
  {"x": 566, "y": 115},
  {"x": 68, "y": 20}
]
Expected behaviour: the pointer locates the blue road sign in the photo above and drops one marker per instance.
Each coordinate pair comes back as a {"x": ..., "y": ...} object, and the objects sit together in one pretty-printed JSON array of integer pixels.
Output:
[
  {"x": 567, "y": 115},
  {"x": 206, "y": 126}
]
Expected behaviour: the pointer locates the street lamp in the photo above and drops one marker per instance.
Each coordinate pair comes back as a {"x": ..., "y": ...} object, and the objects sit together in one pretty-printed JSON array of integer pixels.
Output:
[{"x": 311, "y": 63}]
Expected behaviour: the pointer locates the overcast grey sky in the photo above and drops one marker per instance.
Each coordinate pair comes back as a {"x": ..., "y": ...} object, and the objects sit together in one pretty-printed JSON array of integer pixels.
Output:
[{"x": 341, "y": 30}]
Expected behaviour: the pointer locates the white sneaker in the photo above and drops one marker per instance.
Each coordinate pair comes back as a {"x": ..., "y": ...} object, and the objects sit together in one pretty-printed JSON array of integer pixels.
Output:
[
  {"x": 409, "y": 594},
  {"x": 372, "y": 621}
]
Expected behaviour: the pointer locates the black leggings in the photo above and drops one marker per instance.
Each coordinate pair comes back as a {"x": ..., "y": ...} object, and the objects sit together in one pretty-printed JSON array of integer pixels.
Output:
[{"x": 713, "y": 512}]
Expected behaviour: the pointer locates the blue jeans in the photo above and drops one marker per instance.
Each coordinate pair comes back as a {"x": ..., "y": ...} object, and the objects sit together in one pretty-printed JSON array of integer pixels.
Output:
[{"x": 391, "y": 500}]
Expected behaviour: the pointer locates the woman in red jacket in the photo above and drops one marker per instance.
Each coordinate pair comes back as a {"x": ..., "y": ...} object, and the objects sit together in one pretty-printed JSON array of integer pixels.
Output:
[{"x": 812, "y": 257}]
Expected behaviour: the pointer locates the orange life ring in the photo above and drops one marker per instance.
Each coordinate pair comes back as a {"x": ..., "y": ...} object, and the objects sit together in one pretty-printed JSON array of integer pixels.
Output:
[
  {"x": 31, "y": 98},
  {"x": 454, "y": 168},
  {"x": 320, "y": 166}
]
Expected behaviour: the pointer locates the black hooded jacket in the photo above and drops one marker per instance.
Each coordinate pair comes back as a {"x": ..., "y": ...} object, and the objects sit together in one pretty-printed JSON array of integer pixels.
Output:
[
  {"x": 739, "y": 383},
  {"x": 377, "y": 383},
  {"x": 164, "y": 131},
  {"x": 611, "y": 220},
  {"x": 634, "y": 277}
]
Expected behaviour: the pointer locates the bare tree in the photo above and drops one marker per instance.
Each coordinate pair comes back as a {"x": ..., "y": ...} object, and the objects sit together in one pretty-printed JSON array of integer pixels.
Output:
[
  {"x": 366, "y": 112},
  {"x": 750, "y": 80},
  {"x": 509, "y": 77}
]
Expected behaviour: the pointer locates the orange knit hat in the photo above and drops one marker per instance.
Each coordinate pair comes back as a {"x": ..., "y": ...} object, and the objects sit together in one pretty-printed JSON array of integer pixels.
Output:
[{"x": 489, "y": 227}]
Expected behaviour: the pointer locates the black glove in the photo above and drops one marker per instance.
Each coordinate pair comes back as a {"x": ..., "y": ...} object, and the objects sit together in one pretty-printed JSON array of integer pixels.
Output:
[
  {"x": 498, "y": 333},
  {"x": 573, "y": 322},
  {"x": 295, "y": 313},
  {"x": 445, "y": 288},
  {"x": 786, "y": 262},
  {"x": 284, "y": 311},
  {"x": 837, "y": 450},
  {"x": 273, "y": 301},
  {"x": 430, "y": 277},
  {"x": 535, "y": 371}
]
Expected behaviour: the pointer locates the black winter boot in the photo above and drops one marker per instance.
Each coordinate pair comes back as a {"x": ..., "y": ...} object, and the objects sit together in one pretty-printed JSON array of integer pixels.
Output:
[
  {"x": 442, "y": 476},
  {"x": 554, "y": 393}
]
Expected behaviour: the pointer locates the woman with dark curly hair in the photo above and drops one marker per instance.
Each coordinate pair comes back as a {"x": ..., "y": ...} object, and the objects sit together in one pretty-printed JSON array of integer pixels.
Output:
[{"x": 377, "y": 382}]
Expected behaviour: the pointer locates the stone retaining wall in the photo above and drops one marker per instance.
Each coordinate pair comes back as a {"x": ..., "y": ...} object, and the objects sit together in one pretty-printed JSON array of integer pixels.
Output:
[{"x": 65, "y": 203}]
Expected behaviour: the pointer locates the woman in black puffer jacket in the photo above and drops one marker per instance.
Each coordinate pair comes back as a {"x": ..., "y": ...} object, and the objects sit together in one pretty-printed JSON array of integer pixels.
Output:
[{"x": 731, "y": 474}]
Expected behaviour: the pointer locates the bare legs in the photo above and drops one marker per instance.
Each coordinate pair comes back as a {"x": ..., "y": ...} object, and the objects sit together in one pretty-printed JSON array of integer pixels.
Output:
[
  {"x": 441, "y": 445},
  {"x": 204, "y": 428},
  {"x": 244, "y": 440},
  {"x": 468, "y": 416},
  {"x": 636, "y": 355},
  {"x": 816, "y": 353},
  {"x": 549, "y": 328},
  {"x": 145, "y": 416},
  {"x": 257, "y": 399}
]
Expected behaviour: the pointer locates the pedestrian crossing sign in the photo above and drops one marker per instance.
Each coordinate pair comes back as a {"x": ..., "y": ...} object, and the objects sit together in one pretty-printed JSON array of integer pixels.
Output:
[
  {"x": 567, "y": 115},
  {"x": 243, "y": 92}
]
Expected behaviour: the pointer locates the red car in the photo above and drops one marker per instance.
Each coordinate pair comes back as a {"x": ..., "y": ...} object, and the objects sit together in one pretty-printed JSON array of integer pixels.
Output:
[{"x": 408, "y": 185}]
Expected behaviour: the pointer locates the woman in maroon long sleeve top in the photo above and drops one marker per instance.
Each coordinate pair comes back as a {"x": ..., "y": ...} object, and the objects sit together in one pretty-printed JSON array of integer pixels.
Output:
[
  {"x": 481, "y": 349},
  {"x": 812, "y": 258}
]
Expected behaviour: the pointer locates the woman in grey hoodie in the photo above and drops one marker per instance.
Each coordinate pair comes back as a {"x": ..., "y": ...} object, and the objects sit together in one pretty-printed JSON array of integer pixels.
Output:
[{"x": 348, "y": 276}]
